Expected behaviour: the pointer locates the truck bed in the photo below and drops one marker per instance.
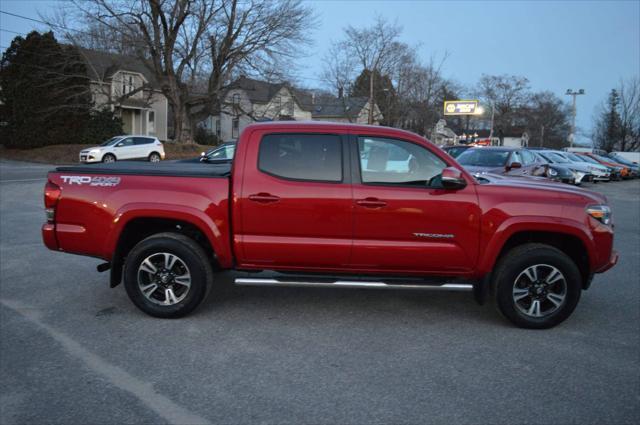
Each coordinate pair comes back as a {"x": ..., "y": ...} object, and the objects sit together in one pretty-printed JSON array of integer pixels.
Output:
[{"x": 164, "y": 168}]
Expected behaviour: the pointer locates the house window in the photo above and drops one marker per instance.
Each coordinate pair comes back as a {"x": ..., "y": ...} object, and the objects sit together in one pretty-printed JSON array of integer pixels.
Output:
[
  {"x": 235, "y": 128},
  {"x": 151, "y": 122},
  {"x": 217, "y": 128},
  {"x": 128, "y": 83}
]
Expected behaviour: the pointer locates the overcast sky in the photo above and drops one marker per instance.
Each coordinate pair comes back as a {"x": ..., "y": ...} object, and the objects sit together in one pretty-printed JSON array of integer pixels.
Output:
[{"x": 556, "y": 44}]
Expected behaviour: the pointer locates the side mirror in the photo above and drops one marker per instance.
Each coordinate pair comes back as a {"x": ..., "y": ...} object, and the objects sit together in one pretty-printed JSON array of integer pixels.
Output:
[
  {"x": 203, "y": 157},
  {"x": 514, "y": 165},
  {"x": 119, "y": 145},
  {"x": 452, "y": 179}
]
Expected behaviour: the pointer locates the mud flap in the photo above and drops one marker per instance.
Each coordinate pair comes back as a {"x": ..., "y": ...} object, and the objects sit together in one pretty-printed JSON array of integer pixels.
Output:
[{"x": 481, "y": 289}]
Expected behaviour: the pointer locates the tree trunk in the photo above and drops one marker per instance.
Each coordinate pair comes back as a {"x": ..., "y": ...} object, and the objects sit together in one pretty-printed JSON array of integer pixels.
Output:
[{"x": 370, "y": 120}]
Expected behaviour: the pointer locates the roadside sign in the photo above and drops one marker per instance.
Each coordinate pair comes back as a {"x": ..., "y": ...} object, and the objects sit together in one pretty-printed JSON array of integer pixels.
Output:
[{"x": 460, "y": 107}]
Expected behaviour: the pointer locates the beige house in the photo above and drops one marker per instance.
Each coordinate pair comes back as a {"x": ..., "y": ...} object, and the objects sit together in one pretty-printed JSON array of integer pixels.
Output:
[
  {"x": 248, "y": 100},
  {"x": 123, "y": 84}
]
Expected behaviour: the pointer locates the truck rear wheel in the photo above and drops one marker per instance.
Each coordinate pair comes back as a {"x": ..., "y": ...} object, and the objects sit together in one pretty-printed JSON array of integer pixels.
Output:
[
  {"x": 537, "y": 286},
  {"x": 167, "y": 275}
]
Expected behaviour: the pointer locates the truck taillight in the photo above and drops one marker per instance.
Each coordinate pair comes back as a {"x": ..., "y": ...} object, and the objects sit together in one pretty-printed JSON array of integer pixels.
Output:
[{"x": 51, "y": 196}]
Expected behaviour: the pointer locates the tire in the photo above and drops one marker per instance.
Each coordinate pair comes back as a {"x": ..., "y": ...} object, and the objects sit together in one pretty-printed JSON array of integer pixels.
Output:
[
  {"x": 108, "y": 158},
  {"x": 191, "y": 264},
  {"x": 542, "y": 303},
  {"x": 154, "y": 157}
]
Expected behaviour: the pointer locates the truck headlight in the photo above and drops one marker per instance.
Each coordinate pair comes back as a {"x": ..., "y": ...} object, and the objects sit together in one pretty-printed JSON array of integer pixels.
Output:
[{"x": 602, "y": 213}]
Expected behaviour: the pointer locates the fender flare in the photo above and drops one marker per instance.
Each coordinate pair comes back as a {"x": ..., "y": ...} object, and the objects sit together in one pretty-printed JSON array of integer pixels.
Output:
[
  {"x": 514, "y": 225},
  {"x": 190, "y": 215}
]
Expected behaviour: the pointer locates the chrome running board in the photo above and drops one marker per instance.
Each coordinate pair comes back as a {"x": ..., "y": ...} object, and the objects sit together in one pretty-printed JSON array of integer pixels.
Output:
[{"x": 351, "y": 284}]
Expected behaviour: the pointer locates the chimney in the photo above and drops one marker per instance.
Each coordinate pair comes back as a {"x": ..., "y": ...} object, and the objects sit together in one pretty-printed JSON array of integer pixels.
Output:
[{"x": 340, "y": 92}]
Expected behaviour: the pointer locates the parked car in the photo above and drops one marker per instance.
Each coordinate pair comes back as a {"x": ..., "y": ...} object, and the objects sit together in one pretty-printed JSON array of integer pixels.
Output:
[
  {"x": 600, "y": 172},
  {"x": 125, "y": 147},
  {"x": 579, "y": 173},
  {"x": 614, "y": 171},
  {"x": 554, "y": 171},
  {"x": 456, "y": 150},
  {"x": 219, "y": 154},
  {"x": 501, "y": 160},
  {"x": 633, "y": 166},
  {"x": 301, "y": 204},
  {"x": 625, "y": 172}
]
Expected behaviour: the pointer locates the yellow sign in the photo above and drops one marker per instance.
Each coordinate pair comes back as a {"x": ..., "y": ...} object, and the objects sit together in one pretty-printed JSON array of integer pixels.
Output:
[{"x": 460, "y": 107}]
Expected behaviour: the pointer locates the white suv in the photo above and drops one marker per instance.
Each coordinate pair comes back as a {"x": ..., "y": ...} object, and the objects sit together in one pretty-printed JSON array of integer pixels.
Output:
[{"x": 125, "y": 147}]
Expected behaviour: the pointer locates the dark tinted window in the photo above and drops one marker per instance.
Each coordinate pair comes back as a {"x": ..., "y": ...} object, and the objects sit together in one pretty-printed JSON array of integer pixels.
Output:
[
  {"x": 302, "y": 156},
  {"x": 142, "y": 140},
  {"x": 389, "y": 161},
  {"x": 481, "y": 157}
]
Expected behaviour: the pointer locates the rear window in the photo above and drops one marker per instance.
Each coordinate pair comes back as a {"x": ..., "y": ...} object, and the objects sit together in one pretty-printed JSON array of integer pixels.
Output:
[
  {"x": 142, "y": 140},
  {"x": 302, "y": 156}
]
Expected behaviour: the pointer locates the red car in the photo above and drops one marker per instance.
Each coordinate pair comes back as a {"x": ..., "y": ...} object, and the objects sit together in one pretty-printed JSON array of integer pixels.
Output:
[{"x": 340, "y": 205}]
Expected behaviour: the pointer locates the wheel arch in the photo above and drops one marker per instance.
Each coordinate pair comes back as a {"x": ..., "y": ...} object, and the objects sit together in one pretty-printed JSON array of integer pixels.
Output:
[
  {"x": 130, "y": 227},
  {"x": 573, "y": 242}
]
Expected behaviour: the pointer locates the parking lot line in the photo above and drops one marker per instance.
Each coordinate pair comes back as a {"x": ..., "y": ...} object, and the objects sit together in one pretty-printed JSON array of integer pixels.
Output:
[{"x": 143, "y": 391}]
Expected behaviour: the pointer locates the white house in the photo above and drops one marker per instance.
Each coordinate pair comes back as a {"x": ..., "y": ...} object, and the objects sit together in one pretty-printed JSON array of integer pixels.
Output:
[
  {"x": 248, "y": 100},
  {"x": 125, "y": 85}
]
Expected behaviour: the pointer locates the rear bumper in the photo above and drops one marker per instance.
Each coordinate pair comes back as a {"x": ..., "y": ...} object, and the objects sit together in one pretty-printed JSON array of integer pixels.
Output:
[
  {"x": 613, "y": 260},
  {"x": 49, "y": 236}
]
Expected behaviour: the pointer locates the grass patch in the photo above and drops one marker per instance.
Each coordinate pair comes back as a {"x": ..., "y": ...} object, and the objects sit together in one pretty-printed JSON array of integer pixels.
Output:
[{"x": 69, "y": 154}]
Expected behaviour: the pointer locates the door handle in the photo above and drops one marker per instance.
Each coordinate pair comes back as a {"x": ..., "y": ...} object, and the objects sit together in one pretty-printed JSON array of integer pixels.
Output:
[
  {"x": 371, "y": 203},
  {"x": 263, "y": 198}
]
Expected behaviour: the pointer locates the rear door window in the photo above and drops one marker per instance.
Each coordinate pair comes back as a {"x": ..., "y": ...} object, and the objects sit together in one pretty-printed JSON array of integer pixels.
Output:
[{"x": 316, "y": 157}]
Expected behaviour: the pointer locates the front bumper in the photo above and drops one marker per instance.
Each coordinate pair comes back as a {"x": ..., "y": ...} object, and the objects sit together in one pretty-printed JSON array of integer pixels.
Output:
[
  {"x": 613, "y": 260},
  {"x": 88, "y": 158}
]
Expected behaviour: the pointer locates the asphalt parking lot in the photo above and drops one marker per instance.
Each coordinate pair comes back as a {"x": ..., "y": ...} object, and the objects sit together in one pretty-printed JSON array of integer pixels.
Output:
[{"x": 74, "y": 351}]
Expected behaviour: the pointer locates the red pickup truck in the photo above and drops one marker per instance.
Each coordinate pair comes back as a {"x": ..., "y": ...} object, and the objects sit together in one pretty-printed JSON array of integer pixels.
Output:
[{"x": 338, "y": 205}]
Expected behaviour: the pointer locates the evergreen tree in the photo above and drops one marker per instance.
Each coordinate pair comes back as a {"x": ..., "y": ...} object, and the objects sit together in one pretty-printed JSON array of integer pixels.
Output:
[{"x": 45, "y": 91}]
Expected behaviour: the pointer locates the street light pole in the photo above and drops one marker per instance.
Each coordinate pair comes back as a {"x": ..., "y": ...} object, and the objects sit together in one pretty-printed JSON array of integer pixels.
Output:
[{"x": 573, "y": 93}]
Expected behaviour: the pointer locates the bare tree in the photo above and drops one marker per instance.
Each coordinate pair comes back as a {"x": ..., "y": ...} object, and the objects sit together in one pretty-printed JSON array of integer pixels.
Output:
[
  {"x": 629, "y": 110},
  {"x": 194, "y": 48},
  {"x": 377, "y": 49},
  {"x": 509, "y": 95}
]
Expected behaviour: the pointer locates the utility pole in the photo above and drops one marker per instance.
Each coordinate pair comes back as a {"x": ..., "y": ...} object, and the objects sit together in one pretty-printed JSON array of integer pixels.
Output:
[
  {"x": 573, "y": 93},
  {"x": 493, "y": 114}
]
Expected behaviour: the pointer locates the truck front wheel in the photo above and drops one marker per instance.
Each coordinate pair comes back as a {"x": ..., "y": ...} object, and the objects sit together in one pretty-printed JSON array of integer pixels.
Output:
[
  {"x": 167, "y": 275},
  {"x": 537, "y": 286}
]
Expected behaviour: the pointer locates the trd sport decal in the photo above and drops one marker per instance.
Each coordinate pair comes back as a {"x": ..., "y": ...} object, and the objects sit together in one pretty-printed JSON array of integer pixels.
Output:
[{"x": 91, "y": 181}]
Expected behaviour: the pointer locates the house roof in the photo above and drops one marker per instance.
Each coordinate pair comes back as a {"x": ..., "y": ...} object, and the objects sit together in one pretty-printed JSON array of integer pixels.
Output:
[
  {"x": 329, "y": 106},
  {"x": 263, "y": 91},
  {"x": 102, "y": 65}
]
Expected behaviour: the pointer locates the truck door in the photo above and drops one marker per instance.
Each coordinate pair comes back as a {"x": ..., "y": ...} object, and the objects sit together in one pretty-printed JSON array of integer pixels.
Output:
[
  {"x": 403, "y": 220},
  {"x": 294, "y": 209}
]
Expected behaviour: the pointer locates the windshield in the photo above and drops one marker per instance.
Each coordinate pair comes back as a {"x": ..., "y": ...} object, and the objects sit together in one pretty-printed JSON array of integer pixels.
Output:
[
  {"x": 111, "y": 141},
  {"x": 483, "y": 157},
  {"x": 556, "y": 157},
  {"x": 602, "y": 158},
  {"x": 589, "y": 159},
  {"x": 573, "y": 157}
]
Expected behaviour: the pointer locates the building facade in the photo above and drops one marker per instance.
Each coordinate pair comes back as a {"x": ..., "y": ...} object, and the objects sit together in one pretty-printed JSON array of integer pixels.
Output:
[{"x": 124, "y": 85}]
